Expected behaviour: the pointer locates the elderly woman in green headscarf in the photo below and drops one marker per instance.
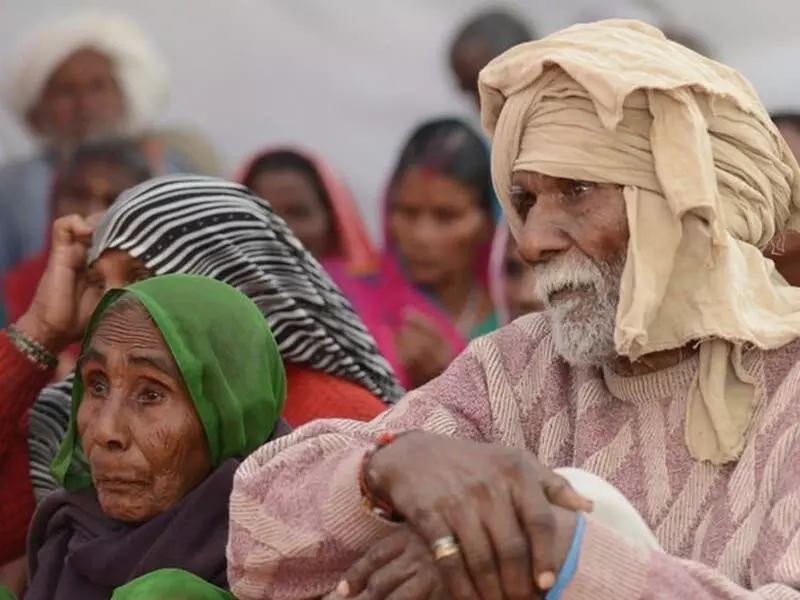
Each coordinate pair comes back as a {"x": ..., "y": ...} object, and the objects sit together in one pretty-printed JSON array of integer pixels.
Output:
[{"x": 179, "y": 378}]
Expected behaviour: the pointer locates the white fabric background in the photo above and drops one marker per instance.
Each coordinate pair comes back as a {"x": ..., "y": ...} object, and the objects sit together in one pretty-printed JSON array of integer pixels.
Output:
[{"x": 350, "y": 78}]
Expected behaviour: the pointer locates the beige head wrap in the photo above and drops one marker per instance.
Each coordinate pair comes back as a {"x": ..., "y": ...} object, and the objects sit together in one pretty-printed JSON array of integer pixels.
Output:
[{"x": 708, "y": 181}]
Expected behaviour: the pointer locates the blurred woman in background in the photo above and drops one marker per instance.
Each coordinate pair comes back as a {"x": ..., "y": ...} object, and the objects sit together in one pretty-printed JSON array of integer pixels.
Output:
[
  {"x": 315, "y": 203},
  {"x": 439, "y": 222},
  {"x": 322, "y": 212}
]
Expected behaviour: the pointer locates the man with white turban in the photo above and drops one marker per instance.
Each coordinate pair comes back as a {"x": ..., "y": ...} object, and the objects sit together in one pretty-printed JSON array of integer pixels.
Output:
[
  {"x": 83, "y": 77},
  {"x": 641, "y": 439}
]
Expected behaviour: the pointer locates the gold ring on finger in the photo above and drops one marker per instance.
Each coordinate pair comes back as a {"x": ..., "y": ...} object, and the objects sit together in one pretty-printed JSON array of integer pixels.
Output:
[{"x": 445, "y": 547}]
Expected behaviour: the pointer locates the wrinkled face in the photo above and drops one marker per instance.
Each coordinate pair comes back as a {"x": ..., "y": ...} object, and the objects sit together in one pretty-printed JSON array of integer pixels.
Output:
[
  {"x": 90, "y": 188},
  {"x": 466, "y": 61},
  {"x": 81, "y": 98},
  {"x": 438, "y": 226},
  {"x": 575, "y": 234},
  {"x": 297, "y": 202},
  {"x": 520, "y": 283},
  {"x": 137, "y": 423}
]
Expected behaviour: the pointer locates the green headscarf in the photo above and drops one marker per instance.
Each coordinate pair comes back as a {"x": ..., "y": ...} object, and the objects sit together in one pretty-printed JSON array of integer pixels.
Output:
[
  {"x": 226, "y": 354},
  {"x": 7, "y": 594},
  {"x": 170, "y": 584}
]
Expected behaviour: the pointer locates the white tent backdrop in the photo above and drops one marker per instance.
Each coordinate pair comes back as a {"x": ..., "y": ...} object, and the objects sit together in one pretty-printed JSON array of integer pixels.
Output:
[{"x": 348, "y": 79}]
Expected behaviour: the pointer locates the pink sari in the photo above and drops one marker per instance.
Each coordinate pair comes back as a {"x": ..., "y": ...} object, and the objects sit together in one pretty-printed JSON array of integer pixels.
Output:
[
  {"x": 380, "y": 295},
  {"x": 357, "y": 250}
]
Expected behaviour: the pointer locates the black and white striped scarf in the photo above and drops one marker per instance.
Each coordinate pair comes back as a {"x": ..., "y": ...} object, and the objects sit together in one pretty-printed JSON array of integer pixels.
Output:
[{"x": 212, "y": 227}]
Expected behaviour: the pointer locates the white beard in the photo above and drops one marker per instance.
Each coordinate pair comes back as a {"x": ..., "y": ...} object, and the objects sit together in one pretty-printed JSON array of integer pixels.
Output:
[{"x": 583, "y": 326}]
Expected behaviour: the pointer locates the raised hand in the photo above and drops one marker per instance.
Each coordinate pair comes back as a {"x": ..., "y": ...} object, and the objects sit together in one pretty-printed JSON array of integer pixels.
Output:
[{"x": 63, "y": 302}]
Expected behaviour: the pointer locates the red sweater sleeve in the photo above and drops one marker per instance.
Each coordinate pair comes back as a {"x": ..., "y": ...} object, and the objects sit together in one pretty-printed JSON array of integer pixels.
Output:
[
  {"x": 20, "y": 383},
  {"x": 315, "y": 395}
]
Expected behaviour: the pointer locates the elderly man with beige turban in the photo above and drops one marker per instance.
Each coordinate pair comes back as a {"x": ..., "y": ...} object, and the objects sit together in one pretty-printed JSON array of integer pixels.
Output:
[{"x": 641, "y": 438}]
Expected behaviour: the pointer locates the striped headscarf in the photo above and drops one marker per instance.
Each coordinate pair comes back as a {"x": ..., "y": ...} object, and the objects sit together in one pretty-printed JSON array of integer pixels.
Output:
[{"x": 212, "y": 227}]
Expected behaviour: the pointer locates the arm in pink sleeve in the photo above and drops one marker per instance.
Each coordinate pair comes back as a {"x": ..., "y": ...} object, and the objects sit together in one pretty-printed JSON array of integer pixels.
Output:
[
  {"x": 610, "y": 567},
  {"x": 296, "y": 512}
]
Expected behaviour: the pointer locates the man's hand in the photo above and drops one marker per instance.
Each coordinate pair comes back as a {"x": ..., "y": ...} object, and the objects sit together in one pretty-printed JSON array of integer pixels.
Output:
[
  {"x": 400, "y": 567},
  {"x": 498, "y": 503}
]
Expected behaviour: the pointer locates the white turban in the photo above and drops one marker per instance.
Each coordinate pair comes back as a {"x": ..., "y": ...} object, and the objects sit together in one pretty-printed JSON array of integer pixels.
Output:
[{"x": 140, "y": 71}]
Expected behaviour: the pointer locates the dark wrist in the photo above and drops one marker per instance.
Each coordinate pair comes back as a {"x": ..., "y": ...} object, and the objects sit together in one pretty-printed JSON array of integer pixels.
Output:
[
  {"x": 566, "y": 521},
  {"x": 378, "y": 469},
  {"x": 570, "y": 526},
  {"x": 375, "y": 476},
  {"x": 374, "y": 481}
]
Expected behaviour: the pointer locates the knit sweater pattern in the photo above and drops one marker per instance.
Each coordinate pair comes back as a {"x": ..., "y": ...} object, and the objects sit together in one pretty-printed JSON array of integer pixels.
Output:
[{"x": 727, "y": 532}]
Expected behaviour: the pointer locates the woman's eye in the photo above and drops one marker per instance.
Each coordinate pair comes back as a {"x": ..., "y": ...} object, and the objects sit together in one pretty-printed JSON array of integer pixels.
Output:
[
  {"x": 404, "y": 212},
  {"x": 149, "y": 396},
  {"x": 97, "y": 385},
  {"x": 446, "y": 216}
]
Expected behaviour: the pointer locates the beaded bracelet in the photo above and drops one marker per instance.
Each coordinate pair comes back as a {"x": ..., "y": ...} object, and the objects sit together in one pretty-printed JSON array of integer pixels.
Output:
[
  {"x": 372, "y": 503},
  {"x": 33, "y": 350}
]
